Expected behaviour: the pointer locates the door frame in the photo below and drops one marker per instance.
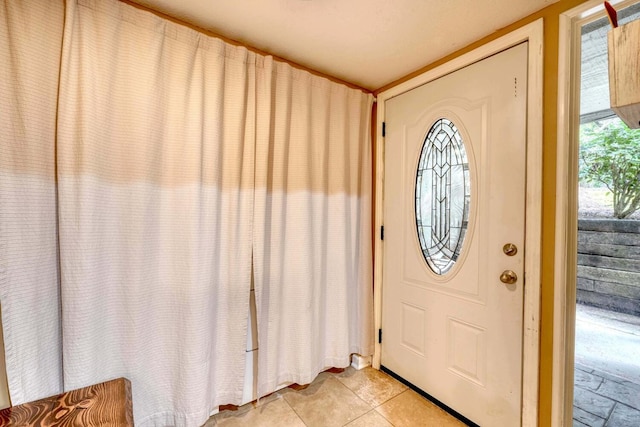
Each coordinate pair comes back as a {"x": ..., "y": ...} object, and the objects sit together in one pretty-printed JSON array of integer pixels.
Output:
[
  {"x": 533, "y": 33},
  {"x": 566, "y": 218}
]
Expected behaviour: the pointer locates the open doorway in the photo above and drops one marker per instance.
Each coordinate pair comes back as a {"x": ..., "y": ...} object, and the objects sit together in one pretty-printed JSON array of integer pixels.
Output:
[
  {"x": 607, "y": 313},
  {"x": 601, "y": 240}
]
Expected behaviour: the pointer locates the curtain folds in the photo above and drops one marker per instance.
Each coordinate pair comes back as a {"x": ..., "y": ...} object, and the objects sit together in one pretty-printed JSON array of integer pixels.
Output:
[
  {"x": 312, "y": 250},
  {"x": 30, "y": 44},
  {"x": 155, "y": 186},
  {"x": 148, "y": 171}
]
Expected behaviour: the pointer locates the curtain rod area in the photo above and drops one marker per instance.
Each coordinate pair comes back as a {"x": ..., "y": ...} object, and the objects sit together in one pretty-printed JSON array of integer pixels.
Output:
[{"x": 251, "y": 48}]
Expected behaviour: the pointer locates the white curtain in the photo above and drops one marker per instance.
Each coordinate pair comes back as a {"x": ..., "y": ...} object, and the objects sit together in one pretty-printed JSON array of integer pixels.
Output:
[
  {"x": 30, "y": 43},
  {"x": 312, "y": 244},
  {"x": 146, "y": 164},
  {"x": 155, "y": 184}
]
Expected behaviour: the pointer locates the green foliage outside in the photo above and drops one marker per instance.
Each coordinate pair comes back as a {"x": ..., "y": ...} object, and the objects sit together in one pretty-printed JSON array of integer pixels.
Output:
[{"x": 610, "y": 156}]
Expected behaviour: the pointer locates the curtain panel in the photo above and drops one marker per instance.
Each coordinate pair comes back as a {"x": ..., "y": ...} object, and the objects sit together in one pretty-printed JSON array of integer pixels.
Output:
[
  {"x": 30, "y": 45},
  {"x": 312, "y": 249},
  {"x": 148, "y": 170},
  {"x": 155, "y": 190}
]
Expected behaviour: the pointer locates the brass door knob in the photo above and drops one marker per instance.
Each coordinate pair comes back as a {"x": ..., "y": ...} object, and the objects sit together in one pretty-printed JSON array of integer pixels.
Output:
[{"x": 509, "y": 277}]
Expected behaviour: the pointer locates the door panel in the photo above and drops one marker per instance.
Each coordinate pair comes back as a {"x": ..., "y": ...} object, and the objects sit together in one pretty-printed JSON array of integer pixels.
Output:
[{"x": 458, "y": 336}]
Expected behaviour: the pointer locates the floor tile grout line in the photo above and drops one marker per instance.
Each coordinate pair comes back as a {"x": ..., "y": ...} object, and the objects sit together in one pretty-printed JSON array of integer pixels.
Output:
[
  {"x": 382, "y": 415},
  {"x": 356, "y": 395},
  {"x": 373, "y": 407},
  {"x": 598, "y": 416},
  {"x": 339, "y": 382},
  {"x": 613, "y": 399},
  {"x": 595, "y": 415},
  {"x": 366, "y": 386},
  {"x": 294, "y": 411},
  {"x": 606, "y": 421},
  {"x": 383, "y": 402}
]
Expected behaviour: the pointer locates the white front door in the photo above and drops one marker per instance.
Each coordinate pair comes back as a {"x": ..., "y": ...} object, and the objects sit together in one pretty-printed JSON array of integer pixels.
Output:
[{"x": 450, "y": 325}]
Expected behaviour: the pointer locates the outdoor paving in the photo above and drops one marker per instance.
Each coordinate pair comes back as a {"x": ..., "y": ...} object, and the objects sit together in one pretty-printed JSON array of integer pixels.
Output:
[
  {"x": 601, "y": 399},
  {"x": 606, "y": 395}
]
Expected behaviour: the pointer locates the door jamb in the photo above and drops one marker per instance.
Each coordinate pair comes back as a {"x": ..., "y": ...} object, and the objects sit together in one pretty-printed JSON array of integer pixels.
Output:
[
  {"x": 566, "y": 243},
  {"x": 533, "y": 33}
]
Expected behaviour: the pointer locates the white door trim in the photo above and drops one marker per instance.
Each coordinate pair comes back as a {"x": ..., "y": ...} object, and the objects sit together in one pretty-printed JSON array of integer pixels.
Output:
[
  {"x": 566, "y": 243},
  {"x": 533, "y": 33}
]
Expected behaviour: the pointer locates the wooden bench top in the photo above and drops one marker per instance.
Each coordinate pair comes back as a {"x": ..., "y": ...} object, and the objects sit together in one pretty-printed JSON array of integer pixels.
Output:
[{"x": 105, "y": 404}]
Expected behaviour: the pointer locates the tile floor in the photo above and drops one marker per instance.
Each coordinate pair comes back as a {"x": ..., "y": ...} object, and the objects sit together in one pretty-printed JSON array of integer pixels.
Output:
[{"x": 365, "y": 398}]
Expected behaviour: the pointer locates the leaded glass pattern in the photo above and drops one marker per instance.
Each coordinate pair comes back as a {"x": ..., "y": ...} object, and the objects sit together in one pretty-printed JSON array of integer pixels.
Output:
[{"x": 442, "y": 196}]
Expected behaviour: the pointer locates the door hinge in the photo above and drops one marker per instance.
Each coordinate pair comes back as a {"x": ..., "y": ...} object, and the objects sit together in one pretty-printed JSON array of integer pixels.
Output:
[
  {"x": 379, "y": 336},
  {"x": 384, "y": 129},
  {"x": 382, "y": 232}
]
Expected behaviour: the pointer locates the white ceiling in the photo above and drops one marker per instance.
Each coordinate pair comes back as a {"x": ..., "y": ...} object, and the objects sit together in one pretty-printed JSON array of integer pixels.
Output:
[{"x": 369, "y": 43}]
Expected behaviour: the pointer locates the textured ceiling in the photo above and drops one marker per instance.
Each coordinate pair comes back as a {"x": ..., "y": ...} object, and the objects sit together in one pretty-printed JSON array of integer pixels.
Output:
[{"x": 369, "y": 43}]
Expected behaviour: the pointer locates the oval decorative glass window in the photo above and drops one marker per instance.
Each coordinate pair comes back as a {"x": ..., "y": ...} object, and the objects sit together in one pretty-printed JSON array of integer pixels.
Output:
[{"x": 443, "y": 193}]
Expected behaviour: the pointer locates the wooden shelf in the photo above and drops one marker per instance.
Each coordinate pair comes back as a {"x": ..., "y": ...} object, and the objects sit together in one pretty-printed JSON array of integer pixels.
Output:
[{"x": 104, "y": 404}]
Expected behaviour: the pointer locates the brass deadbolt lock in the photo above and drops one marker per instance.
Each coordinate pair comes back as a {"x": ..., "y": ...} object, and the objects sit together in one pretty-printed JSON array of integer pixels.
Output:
[{"x": 510, "y": 249}]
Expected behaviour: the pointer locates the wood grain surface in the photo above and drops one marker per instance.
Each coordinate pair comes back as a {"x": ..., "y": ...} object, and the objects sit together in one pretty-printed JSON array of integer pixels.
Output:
[
  {"x": 624, "y": 66},
  {"x": 104, "y": 404}
]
